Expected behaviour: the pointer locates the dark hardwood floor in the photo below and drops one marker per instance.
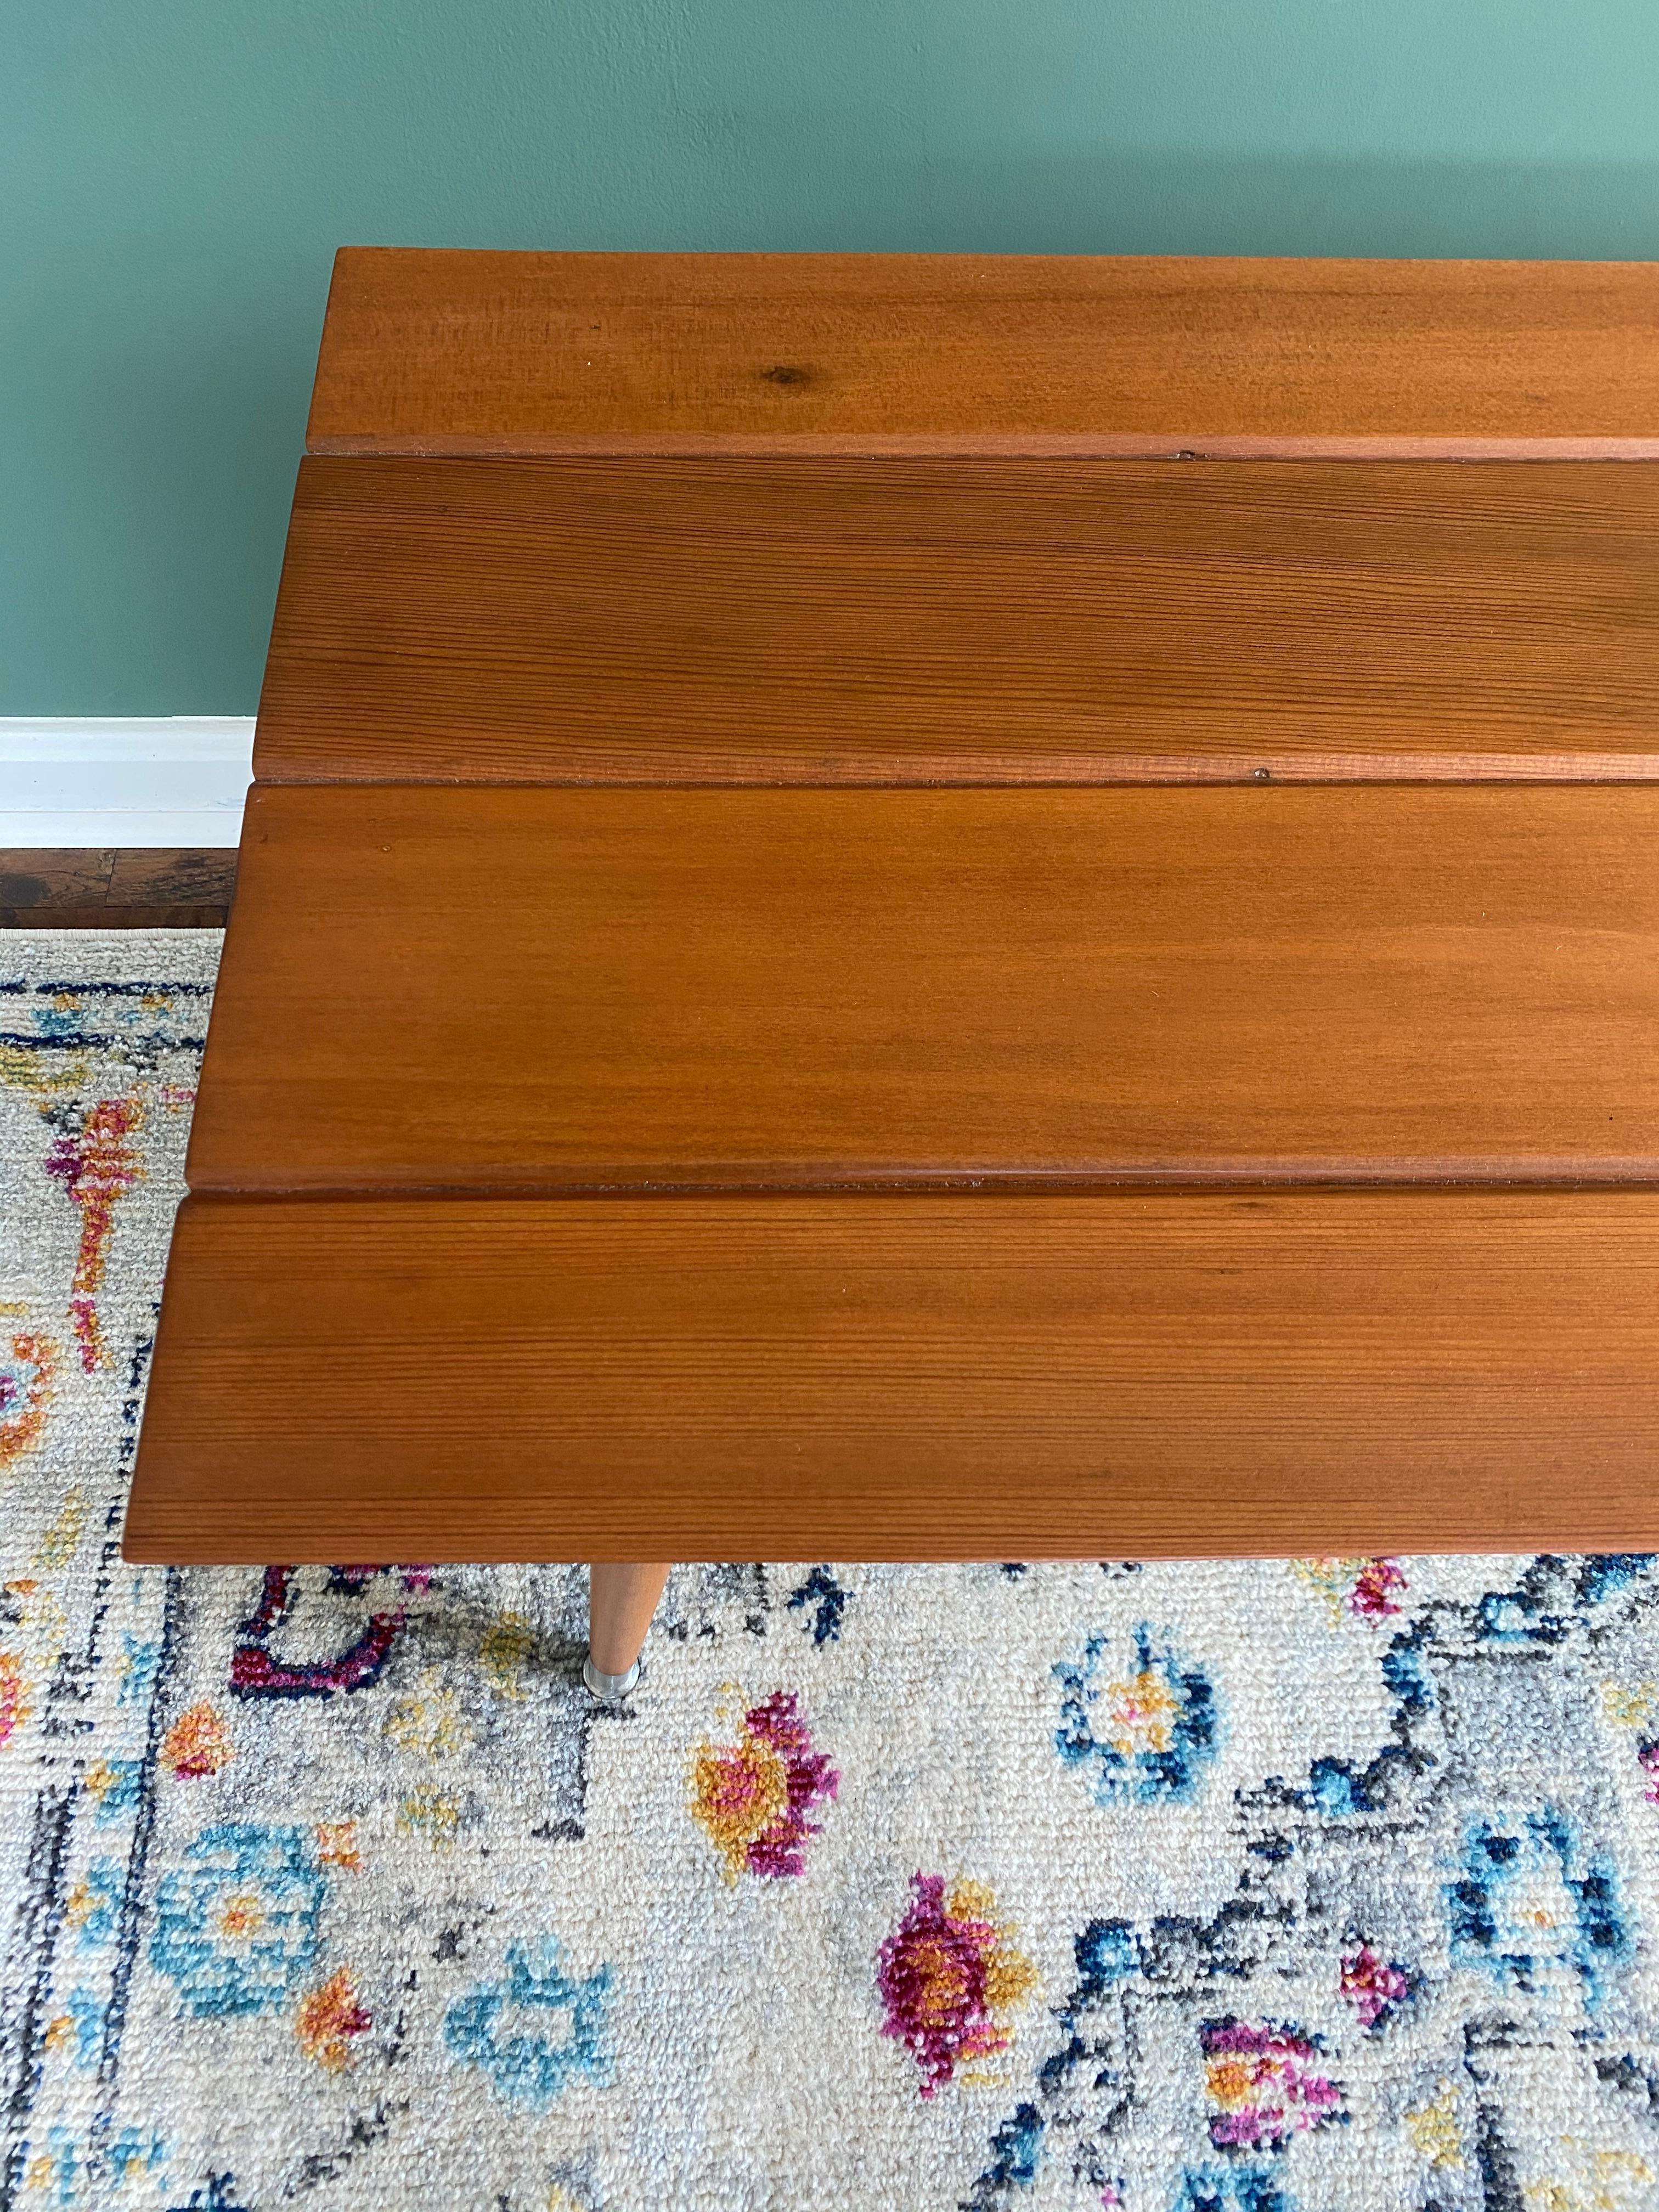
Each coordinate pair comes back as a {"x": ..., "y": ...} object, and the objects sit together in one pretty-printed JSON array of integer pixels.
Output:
[{"x": 130, "y": 887}]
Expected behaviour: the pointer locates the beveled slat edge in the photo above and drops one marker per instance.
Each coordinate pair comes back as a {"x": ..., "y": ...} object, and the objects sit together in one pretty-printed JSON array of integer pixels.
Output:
[
  {"x": 363, "y": 1532},
  {"x": 811, "y": 1179},
  {"x": 686, "y": 445},
  {"x": 948, "y": 772}
]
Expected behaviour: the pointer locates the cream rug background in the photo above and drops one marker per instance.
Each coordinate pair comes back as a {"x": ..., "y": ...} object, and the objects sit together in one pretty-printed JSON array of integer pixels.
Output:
[{"x": 1187, "y": 1888}]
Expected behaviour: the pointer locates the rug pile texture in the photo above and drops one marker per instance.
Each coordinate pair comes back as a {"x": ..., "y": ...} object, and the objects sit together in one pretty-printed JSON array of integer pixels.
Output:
[{"x": 1328, "y": 1884}]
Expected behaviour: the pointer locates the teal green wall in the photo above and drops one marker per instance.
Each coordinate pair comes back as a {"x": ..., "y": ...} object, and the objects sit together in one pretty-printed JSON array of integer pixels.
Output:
[{"x": 175, "y": 174}]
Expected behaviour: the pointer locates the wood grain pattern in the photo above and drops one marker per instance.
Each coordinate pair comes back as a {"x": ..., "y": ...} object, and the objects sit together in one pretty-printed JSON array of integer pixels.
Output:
[
  {"x": 427, "y": 986},
  {"x": 129, "y": 887},
  {"x": 172, "y": 876},
  {"x": 432, "y": 351},
  {"x": 834, "y": 621},
  {"x": 36, "y": 876},
  {"x": 1137, "y": 1375}
]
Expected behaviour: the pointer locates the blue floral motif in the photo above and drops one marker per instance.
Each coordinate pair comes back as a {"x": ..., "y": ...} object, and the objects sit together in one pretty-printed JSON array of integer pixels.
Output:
[
  {"x": 1016, "y": 2154},
  {"x": 238, "y": 1922},
  {"x": 133, "y": 2152},
  {"x": 1231, "y": 2189},
  {"x": 532, "y": 2064},
  {"x": 219, "y": 2196},
  {"x": 828, "y": 1601},
  {"x": 86, "y": 2017},
  {"x": 137, "y": 1676},
  {"x": 1528, "y": 1898},
  {"x": 57, "y": 1023},
  {"x": 1145, "y": 1729},
  {"x": 96, "y": 1903},
  {"x": 116, "y": 1783}
]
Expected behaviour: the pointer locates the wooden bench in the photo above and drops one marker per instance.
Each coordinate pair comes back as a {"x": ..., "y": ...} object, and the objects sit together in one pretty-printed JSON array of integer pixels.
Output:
[{"x": 940, "y": 907}]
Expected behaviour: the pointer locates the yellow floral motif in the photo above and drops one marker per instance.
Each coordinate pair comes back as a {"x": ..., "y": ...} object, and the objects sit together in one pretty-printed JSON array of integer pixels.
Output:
[
  {"x": 430, "y": 1720},
  {"x": 38, "y": 1620},
  {"x": 41, "y": 1616},
  {"x": 240, "y": 1918},
  {"x": 100, "y": 1778},
  {"x": 61, "y": 1539},
  {"x": 429, "y": 1813},
  {"x": 1138, "y": 1715},
  {"x": 1604, "y": 2181},
  {"x": 41, "y": 1628},
  {"x": 1010, "y": 1976},
  {"x": 1434, "y": 2129},
  {"x": 81, "y": 1903},
  {"x": 25, "y": 1071},
  {"x": 1630, "y": 1705},
  {"x": 506, "y": 1643}
]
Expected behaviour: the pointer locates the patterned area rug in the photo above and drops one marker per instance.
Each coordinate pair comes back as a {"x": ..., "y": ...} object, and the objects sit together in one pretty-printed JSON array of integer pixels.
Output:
[{"x": 1323, "y": 1883}]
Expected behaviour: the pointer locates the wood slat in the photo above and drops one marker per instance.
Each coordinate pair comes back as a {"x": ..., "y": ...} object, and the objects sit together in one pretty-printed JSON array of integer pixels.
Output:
[
  {"x": 845, "y": 1377},
  {"x": 430, "y": 351},
  {"x": 974, "y": 622},
  {"x": 470, "y": 987}
]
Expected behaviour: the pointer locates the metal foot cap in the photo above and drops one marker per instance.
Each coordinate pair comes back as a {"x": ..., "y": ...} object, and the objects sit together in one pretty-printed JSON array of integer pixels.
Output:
[{"x": 612, "y": 1689}]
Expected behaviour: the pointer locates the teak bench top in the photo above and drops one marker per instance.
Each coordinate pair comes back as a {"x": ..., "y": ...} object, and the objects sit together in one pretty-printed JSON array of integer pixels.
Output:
[{"x": 582, "y": 1169}]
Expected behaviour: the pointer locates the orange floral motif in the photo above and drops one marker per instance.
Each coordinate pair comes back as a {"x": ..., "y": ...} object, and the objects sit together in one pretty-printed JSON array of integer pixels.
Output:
[
  {"x": 198, "y": 1743},
  {"x": 96, "y": 1166},
  {"x": 337, "y": 1845},
  {"x": 328, "y": 2018},
  {"x": 26, "y": 1380}
]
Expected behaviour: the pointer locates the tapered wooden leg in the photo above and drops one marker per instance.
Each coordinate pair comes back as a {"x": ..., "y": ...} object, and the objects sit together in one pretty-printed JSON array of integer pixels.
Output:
[{"x": 620, "y": 1600}]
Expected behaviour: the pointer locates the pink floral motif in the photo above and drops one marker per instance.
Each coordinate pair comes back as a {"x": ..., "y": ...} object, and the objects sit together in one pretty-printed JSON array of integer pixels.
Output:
[
  {"x": 1374, "y": 1590},
  {"x": 1364, "y": 1589},
  {"x": 752, "y": 1797},
  {"x": 950, "y": 1978},
  {"x": 14, "y": 1704},
  {"x": 1264, "y": 2082},
  {"x": 1374, "y": 1986}
]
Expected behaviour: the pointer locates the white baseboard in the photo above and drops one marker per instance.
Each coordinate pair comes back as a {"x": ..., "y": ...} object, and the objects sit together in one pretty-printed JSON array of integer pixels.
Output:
[{"x": 175, "y": 779}]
